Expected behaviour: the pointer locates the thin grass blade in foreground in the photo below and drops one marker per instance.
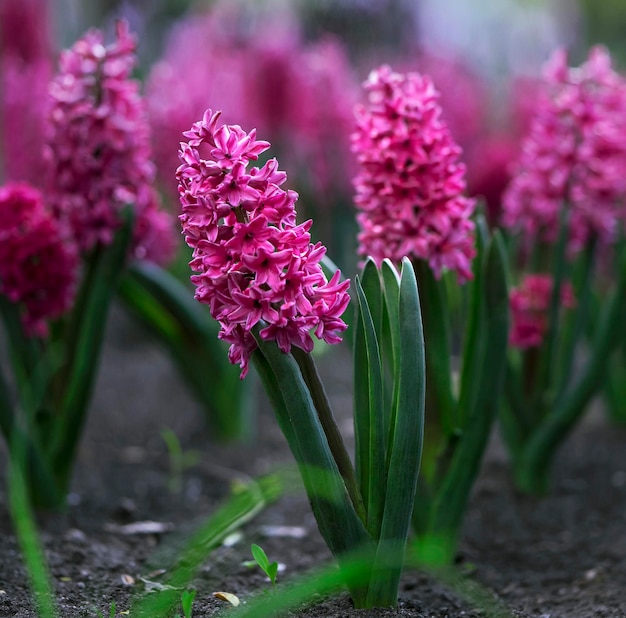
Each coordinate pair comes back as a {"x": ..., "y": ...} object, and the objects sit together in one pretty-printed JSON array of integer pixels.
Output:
[
  {"x": 355, "y": 570},
  {"x": 26, "y": 533},
  {"x": 238, "y": 510}
]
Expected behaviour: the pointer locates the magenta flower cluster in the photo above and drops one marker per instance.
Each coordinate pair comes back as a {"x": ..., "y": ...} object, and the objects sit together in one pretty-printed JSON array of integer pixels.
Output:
[
  {"x": 409, "y": 188},
  {"x": 38, "y": 268},
  {"x": 98, "y": 145},
  {"x": 574, "y": 154},
  {"x": 255, "y": 265},
  {"x": 529, "y": 303}
]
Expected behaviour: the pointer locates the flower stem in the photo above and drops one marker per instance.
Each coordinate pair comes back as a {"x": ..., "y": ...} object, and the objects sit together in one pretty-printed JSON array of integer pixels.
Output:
[{"x": 329, "y": 425}]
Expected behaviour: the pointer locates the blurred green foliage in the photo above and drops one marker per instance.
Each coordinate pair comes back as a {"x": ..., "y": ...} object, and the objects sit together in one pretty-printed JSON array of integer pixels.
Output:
[{"x": 605, "y": 22}]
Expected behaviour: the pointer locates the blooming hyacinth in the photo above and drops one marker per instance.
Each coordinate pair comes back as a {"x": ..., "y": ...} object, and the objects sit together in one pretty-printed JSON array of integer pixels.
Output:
[
  {"x": 529, "y": 303},
  {"x": 37, "y": 266},
  {"x": 575, "y": 153},
  {"x": 255, "y": 265},
  {"x": 98, "y": 143},
  {"x": 410, "y": 185}
]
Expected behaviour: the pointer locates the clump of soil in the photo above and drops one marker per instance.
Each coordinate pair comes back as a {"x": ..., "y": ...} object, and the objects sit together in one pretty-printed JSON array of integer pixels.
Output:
[{"x": 563, "y": 556}]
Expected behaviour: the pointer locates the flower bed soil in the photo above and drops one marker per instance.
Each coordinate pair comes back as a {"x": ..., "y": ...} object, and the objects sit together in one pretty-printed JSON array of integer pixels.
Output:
[{"x": 563, "y": 556}]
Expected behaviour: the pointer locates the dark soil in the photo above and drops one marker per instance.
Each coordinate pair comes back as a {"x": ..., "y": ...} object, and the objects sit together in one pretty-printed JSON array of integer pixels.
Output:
[{"x": 563, "y": 556}]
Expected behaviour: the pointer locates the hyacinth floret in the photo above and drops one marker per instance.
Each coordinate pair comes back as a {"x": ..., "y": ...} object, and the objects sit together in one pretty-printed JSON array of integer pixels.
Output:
[
  {"x": 38, "y": 266},
  {"x": 410, "y": 184},
  {"x": 255, "y": 265},
  {"x": 529, "y": 303},
  {"x": 98, "y": 146},
  {"x": 573, "y": 155}
]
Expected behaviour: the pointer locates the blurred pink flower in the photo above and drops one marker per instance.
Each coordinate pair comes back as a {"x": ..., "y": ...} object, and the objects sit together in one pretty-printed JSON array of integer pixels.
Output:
[
  {"x": 574, "y": 154},
  {"x": 24, "y": 29},
  {"x": 489, "y": 171},
  {"x": 98, "y": 144},
  {"x": 529, "y": 303},
  {"x": 38, "y": 267},
  {"x": 462, "y": 94},
  {"x": 525, "y": 92},
  {"x": 264, "y": 75},
  {"x": 321, "y": 119},
  {"x": 25, "y": 70},
  {"x": 409, "y": 188},
  {"x": 24, "y": 90},
  {"x": 254, "y": 263}
]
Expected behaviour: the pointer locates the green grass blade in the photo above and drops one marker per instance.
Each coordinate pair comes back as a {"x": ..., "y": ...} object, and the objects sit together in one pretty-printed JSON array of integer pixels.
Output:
[
  {"x": 353, "y": 571},
  {"x": 329, "y": 580},
  {"x": 238, "y": 510},
  {"x": 26, "y": 532}
]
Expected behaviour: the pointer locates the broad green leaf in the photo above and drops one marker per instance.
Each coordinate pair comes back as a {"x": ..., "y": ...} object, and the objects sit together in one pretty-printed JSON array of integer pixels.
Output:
[
  {"x": 361, "y": 402},
  {"x": 370, "y": 284},
  {"x": 88, "y": 321},
  {"x": 442, "y": 422},
  {"x": 376, "y": 439},
  {"x": 31, "y": 362},
  {"x": 490, "y": 360},
  {"x": 560, "y": 270},
  {"x": 471, "y": 341},
  {"x": 391, "y": 341},
  {"x": 575, "y": 321},
  {"x": 314, "y": 384},
  {"x": 406, "y": 445},
  {"x": 337, "y": 519},
  {"x": 533, "y": 467}
]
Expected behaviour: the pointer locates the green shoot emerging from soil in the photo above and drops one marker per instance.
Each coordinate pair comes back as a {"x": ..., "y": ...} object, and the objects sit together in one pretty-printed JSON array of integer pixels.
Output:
[
  {"x": 179, "y": 460},
  {"x": 186, "y": 600},
  {"x": 261, "y": 559}
]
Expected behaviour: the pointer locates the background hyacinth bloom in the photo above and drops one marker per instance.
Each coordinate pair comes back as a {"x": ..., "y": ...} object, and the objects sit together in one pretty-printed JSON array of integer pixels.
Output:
[
  {"x": 25, "y": 70},
  {"x": 98, "y": 146},
  {"x": 529, "y": 304},
  {"x": 38, "y": 267},
  {"x": 410, "y": 183},
  {"x": 254, "y": 263},
  {"x": 566, "y": 200},
  {"x": 255, "y": 65},
  {"x": 574, "y": 154},
  {"x": 410, "y": 196}
]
